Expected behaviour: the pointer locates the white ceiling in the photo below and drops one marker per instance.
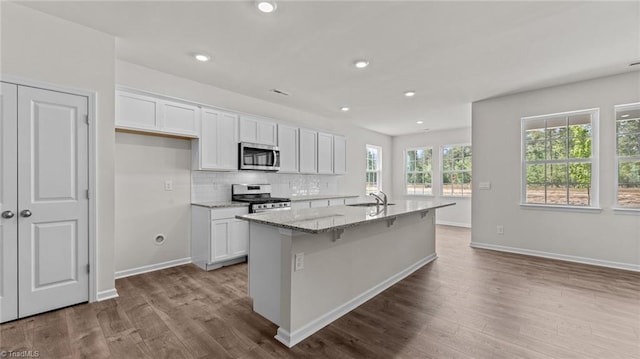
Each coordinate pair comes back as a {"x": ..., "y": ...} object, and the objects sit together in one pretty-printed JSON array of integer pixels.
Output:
[{"x": 450, "y": 53}]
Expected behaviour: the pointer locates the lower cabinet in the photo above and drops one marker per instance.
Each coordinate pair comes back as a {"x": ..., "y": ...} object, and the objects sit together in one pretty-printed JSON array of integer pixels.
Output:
[{"x": 217, "y": 237}]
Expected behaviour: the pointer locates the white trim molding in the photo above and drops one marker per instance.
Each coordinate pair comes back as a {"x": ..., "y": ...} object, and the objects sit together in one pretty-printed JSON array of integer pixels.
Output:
[
  {"x": 453, "y": 224},
  {"x": 562, "y": 257},
  {"x": 107, "y": 294},
  {"x": 291, "y": 339},
  {"x": 152, "y": 267}
]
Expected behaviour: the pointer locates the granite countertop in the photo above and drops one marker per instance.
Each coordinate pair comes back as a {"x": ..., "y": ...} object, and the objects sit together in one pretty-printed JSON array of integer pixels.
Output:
[
  {"x": 325, "y": 219},
  {"x": 224, "y": 204},
  {"x": 314, "y": 197}
]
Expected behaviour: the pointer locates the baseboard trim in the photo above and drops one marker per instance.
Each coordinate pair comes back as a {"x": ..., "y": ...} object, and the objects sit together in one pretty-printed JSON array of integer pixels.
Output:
[
  {"x": 152, "y": 267},
  {"x": 291, "y": 339},
  {"x": 107, "y": 294},
  {"x": 454, "y": 224},
  {"x": 562, "y": 257}
]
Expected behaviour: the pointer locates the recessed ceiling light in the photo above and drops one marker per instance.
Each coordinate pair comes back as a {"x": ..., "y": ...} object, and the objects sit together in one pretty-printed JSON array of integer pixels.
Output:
[
  {"x": 410, "y": 93},
  {"x": 266, "y": 6},
  {"x": 625, "y": 115},
  {"x": 419, "y": 122},
  {"x": 361, "y": 64},
  {"x": 201, "y": 57},
  {"x": 344, "y": 109}
]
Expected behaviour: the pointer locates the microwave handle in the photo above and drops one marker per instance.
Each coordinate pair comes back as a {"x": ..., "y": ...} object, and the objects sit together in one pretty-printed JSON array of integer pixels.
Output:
[{"x": 276, "y": 158}]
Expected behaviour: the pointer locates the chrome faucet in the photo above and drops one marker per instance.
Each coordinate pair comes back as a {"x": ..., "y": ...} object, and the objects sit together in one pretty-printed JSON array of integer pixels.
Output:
[{"x": 380, "y": 200}]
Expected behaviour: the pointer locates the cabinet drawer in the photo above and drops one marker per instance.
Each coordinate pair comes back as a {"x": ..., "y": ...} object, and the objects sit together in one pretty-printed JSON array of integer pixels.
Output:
[{"x": 226, "y": 213}]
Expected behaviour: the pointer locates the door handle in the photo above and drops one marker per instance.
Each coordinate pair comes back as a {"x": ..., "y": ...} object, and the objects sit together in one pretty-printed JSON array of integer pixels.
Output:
[
  {"x": 7, "y": 214},
  {"x": 26, "y": 213}
]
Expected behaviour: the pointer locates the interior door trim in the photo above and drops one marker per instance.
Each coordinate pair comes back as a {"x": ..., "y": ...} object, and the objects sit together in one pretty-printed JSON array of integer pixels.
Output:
[{"x": 92, "y": 97}]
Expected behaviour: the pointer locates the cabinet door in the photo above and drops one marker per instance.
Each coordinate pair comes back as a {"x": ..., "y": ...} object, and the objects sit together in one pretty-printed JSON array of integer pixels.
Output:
[
  {"x": 239, "y": 240},
  {"x": 267, "y": 133},
  {"x": 179, "y": 118},
  {"x": 248, "y": 129},
  {"x": 336, "y": 202},
  {"x": 8, "y": 202},
  {"x": 220, "y": 234},
  {"x": 325, "y": 153},
  {"x": 218, "y": 144},
  {"x": 318, "y": 203},
  {"x": 136, "y": 111},
  {"x": 256, "y": 130},
  {"x": 288, "y": 145},
  {"x": 339, "y": 155},
  {"x": 308, "y": 151}
]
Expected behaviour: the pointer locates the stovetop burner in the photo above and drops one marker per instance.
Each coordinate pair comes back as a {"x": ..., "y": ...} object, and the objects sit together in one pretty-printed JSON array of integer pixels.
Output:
[{"x": 259, "y": 197}]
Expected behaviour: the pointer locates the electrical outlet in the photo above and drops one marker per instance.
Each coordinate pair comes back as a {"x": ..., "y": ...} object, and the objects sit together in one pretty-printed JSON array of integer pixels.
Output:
[
  {"x": 168, "y": 185},
  {"x": 500, "y": 229},
  {"x": 299, "y": 262}
]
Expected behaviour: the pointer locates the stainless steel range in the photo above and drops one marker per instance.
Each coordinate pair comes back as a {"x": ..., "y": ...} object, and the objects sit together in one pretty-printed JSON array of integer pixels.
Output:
[{"x": 259, "y": 198}]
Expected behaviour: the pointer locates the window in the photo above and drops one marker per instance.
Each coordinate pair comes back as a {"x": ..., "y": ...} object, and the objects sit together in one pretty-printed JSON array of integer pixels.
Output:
[
  {"x": 418, "y": 171},
  {"x": 374, "y": 169},
  {"x": 558, "y": 166},
  {"x": 456, "y": 170},
  {"x": 628, "y": 155}
]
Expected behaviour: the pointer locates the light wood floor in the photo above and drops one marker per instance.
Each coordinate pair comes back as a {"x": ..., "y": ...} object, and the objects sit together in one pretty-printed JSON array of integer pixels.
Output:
[{"x": 467, "y": 304}]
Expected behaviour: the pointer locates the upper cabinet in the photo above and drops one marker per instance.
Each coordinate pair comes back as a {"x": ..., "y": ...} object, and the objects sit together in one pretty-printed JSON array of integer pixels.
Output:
[
  {"x": 217, "y": 148},
  {"x": 257, "y": 130},
  {"x": 339, "y": 155},
  {"x": 156, "y": 115},
  {"x": 308, "y": 151},
  {"x": 288, "y": 145},
  {"x": 325, "y": 153}
]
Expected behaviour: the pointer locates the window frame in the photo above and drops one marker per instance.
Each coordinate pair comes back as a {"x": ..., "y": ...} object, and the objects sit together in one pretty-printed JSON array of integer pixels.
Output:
[
  {"x": 442, "y": 171},
  {"x": 378, "y": 171},
  {"x": 406, "y": 171},
  {"x": 616, "y": 108},
  {"x": 594, "y": 160}
]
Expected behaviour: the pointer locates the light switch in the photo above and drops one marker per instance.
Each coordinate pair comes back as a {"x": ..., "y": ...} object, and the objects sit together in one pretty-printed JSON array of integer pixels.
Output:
[
  {"x": 484, "y": 185},
  {"x": 168, "y": 185}
]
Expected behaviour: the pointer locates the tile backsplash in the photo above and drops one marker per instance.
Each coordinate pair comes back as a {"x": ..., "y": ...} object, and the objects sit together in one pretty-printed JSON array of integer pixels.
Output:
[{"x": 216, "y": 186}]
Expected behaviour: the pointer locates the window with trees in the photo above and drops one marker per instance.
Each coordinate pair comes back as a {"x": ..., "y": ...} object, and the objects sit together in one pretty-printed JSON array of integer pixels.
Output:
[
  {"x": 418, "y": 179},
  {"x": 374, "y": 169},
  {"x": 456, "y": 170},
  {"x": 558, "y": 166},
  {"x": 628, "y": 155}
]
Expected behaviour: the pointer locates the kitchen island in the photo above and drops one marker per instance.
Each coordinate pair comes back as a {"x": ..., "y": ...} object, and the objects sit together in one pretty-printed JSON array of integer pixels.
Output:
[{"x": 309, "y": 267}]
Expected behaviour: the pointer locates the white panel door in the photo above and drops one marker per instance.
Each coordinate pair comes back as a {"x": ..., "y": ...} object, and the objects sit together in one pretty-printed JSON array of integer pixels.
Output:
[
  {"x": 180, "y": 118},
  {"x": 267, "y": 133},
  {"x": 52, "y": 202},
  {"x": 239, "y": 237},
  {"x": 288, "y": 145},
  {"x": 8, "y": 203},
  {"x": 220, "y": 233},
  {"x": 227, "y": 140},
  {"x": 325, "y": 153},
  {"x": 308, "y": 151}
]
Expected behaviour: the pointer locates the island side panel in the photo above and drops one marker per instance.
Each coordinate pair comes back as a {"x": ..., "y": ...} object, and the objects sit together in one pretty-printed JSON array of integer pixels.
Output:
[
  {"x": 339, "y": 275},
  {"x": 265, "y": 270}
]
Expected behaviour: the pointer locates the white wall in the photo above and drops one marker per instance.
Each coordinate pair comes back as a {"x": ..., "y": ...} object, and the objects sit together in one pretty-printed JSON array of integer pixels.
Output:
[
  {"x": 458, "y": 215},
  {"x": 138, "y": 77},
  {"x": 144, "y": 208},
  {"x": 607, "y": 237},
  {"x": 43, "y": 48}
]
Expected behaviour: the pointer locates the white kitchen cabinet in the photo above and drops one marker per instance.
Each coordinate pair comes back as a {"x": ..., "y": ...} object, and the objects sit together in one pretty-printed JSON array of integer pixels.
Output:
[
  {"x": 147, "y": 113},
  {"x": 288, "y": 145},
  {"x": 308, "y": 151},
  {"x": 217, "y": 237},
  {"x": 257, "y": 130},
  {"x": 217, "y": 147},
  {"x": 318, "y": 203},
  {"x": 336, "y": 202},
  {"x": 325, "y": 153},
  {"x": 339, "y": 155}
]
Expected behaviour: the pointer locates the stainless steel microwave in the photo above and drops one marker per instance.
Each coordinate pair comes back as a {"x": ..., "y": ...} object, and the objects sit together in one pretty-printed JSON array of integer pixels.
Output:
[{"x": 257, "y": 157}]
